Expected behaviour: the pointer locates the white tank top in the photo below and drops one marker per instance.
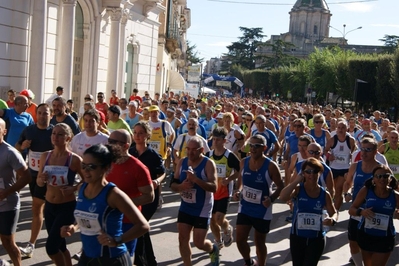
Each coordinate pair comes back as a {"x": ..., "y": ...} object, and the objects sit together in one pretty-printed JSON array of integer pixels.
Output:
[{"x": 342, "y": 154}]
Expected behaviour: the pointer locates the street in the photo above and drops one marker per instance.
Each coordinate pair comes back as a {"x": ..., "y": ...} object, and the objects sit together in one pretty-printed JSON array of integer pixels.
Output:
[{"x": 165, "y": 241}]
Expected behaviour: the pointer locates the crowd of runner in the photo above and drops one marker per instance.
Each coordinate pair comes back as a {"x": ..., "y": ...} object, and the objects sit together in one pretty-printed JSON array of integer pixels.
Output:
[{"x": 100, "y": 169}]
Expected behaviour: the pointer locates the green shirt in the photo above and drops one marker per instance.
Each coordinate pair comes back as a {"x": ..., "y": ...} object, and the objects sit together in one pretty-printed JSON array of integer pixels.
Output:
[{"x": 120, "y": 124}]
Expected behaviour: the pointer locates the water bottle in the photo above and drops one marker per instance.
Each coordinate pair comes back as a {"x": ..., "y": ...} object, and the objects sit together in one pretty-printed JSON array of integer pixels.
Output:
[{"x": 326, "y": 228}]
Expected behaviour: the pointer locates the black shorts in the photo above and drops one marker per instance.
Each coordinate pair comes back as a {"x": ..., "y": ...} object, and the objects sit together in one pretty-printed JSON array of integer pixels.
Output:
[
  {"x": 122, "y": 260},
  {"x": 36, "y": 191},
  {"x": 379, "y": 244},
  {"x": 195, "y": 221},
  {"x": 221, "y": 205},
  {"x": 8, "y": 222},
  {"x": 260, "y": 225},
  {"x": 338, "y": 172},
  {"x": 353, "y": 229}
]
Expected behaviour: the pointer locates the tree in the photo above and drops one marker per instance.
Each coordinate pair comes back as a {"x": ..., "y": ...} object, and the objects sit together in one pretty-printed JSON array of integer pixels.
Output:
[
  {"x": 390, "y": 43},
  {"x": 280, "y": 56},
  {"x": 243, "y": 52},
  {"x": 192, "y": 55}
]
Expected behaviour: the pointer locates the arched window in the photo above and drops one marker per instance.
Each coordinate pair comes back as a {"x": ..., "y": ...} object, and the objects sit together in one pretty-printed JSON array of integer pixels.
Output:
[{"x": 78, "y": 22}]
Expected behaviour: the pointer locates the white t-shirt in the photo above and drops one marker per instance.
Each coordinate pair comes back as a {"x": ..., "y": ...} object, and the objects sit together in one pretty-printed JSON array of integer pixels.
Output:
[{"x": 81, "y": 142}]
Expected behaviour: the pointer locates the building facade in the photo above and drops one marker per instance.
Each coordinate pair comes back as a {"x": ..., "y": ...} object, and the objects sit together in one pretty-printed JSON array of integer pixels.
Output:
[{"x": 85, "y": 46}]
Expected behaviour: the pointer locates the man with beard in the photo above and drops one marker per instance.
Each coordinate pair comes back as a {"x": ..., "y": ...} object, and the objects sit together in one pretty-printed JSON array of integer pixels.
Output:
[{"x": 60, "y": 116}]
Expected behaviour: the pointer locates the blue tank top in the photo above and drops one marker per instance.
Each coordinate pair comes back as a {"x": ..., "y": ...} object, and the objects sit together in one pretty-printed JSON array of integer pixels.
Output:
[
  {"x": 322, "y": 178},
  {"x": 132, "y": 121},
  {"x": 256, "y": 185},
  {"x": 383, "y": 208},
  {"x": 307, "y": 214},
  {"x": 196, "y": 201},
  {"x": 320, "y": 140},
  {"x": 59, "y": 175},
  {"x": 94, "y": 215},
  {"x": 359, "y": 178}
]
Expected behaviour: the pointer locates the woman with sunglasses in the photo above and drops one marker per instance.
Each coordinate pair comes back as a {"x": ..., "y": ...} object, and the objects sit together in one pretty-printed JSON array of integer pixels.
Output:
[
  {"x": 144, "y": 254},
  {"x": 320, "y": 135},
  {"x": 100, "y": 209},
  {"x": 57, "y": 173},
  {"x": 377, "y": 204},
  {"x": 254, "y": 184},
  {"x": 307, "y": 239}
]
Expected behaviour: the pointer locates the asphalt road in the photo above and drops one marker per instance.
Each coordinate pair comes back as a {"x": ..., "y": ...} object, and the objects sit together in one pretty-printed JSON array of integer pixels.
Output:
[{"x": 165, "y": 241}]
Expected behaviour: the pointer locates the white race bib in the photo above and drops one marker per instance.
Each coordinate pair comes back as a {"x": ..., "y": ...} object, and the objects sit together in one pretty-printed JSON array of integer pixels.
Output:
[
  {"x": 342, "y": 158},
  {"x": 88, "y": 223},
  {"x": 155, "y": 145},
  {"x": 189, "y": 195},
  {"x": 378, "y": 222},
  {"x": 221, "y": 170},
  {"x": 394, "y": 168},
  {"x": 58, "y": 175},
  {"x": 34, "y": 160},
  {"x": 252, "y": 195},
  {"x": 309, "y": 221}
]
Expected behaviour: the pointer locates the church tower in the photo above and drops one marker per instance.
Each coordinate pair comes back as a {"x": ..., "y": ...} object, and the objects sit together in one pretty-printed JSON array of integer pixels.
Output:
[{"x": 309, "y": 21}]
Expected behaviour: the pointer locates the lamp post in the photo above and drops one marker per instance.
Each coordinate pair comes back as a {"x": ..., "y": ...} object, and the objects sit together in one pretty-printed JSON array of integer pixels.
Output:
[{"x": 344, "y": 32}]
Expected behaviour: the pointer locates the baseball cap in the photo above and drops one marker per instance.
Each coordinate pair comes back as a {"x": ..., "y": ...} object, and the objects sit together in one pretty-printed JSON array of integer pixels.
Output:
[
  {"x": 220, "y": 115},
  {"x": 134, "y": 103},
  {"x": 153, "y": 108},
  {"x": 27, "y": 93},
  {"x": 218, "y": 107}
]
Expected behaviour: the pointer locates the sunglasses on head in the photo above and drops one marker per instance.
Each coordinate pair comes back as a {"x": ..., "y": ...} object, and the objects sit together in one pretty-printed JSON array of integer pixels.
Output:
[
  {"x": 256, "y": 145},
  {"x": 314, "y": 152},
  {"x": 90, "y": 166},
  {"x": 310, "y": 171},
  {"x": 367, "y": 149},
  {"x": 385, "y": 176}
]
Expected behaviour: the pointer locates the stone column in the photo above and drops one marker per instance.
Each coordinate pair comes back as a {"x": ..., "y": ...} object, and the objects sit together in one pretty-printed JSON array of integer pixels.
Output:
[
  {"x": 67, "y": 38},
  {"x": 122, "y": 54},
  {"x": 38, "y": 50},
  {"x": 115, "y": 15}
]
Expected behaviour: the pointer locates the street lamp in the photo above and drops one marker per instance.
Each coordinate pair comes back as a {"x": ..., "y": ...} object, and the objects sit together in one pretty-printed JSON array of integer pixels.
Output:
[{"x": 344, "y": 32}]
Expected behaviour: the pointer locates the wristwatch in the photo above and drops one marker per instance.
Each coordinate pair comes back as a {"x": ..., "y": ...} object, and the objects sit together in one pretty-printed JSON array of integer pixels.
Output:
[{"x": 118, "y": 240}]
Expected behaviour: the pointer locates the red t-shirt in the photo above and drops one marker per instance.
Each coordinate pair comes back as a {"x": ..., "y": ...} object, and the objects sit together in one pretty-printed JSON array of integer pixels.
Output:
[
  {"x": 102, "y": 107},
  {"x": 132, "y": 98},
  {"x": 235, "y": 117},
  {"x": 129, "y": 176}
]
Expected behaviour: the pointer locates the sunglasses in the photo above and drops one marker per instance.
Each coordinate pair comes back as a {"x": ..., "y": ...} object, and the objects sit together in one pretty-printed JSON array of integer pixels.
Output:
[
  {"x": 298, "y": 125},
  {"x": 385, "y": 176},
  {"x": 318, "y": 122},
  {"x": 114, "y": 141},
  {"x": 367, "y": 149},
  {"x": 256, "y": 145},
  {"x": 314, "y": 152},
  {"x": 310, "y": 171},
  {"x": 90, "y": 166}
]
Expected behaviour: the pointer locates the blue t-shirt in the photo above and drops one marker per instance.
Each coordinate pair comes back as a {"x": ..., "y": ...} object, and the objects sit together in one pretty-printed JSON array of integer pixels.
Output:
[{"x": 16, "y": 124}]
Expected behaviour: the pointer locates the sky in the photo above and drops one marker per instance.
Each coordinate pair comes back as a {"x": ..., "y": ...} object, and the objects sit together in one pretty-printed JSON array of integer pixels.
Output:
[{"x": 215, "y": 23}]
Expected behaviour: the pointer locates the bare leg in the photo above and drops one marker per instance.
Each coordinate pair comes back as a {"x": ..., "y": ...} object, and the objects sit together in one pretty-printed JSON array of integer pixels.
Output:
[
  {"x": 8, "y": 242},
  {"x": 37, "y": 218},
  {"x": 184, "y": 242}
]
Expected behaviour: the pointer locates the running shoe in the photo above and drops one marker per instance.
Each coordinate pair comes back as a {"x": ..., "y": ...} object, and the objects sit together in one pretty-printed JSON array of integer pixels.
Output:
[
  {"x": 28, "y": 250},
  {"x": 214, "y": 255},
  {"x": 3, "y": 262},
  {"x": 228, "y": 236},
  {"x": 77, "y": 255}
]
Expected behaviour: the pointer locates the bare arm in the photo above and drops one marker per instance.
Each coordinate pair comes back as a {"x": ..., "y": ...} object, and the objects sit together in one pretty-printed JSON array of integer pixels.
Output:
[
  {"x": 147, "y": 195},
  {"x": 211, "y": 183},
  {"x": 291, "y": 190}
]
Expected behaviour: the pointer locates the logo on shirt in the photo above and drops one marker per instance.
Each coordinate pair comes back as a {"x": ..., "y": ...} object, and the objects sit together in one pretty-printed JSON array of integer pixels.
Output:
[
  {"x": 93, "y": 207},
  {"x": 388, "y": 205},
  {"x": 318, "y": 205}
]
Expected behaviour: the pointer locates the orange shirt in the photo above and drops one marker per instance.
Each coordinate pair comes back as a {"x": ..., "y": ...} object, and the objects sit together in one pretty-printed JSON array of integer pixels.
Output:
[{"x": 32, "y": 111}]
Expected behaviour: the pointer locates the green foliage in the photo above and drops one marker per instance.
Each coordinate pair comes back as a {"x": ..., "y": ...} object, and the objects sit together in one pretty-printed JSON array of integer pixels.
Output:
[
  {"x": 390, "y": 43},
  {"x": 192, "y": 55}
]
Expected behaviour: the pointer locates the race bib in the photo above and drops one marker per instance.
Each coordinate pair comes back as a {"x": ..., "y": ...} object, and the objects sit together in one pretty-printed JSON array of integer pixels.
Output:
[
  {"x": 88, "y": 223},
  {"x": 189, "y": 196},
  {"x": 34, "y": 160},
  {"x": 309, "y": 221},
  {"x": 252, "y": 195},
  {"x": 394, "y": 168},
  {"x": 58, "y": 175},
  {"x": 221, "y": 170},
  {"x": 342, "y": 158},
  {"x": 155, "y": 145},
  {"x": 378, "y": 222}
]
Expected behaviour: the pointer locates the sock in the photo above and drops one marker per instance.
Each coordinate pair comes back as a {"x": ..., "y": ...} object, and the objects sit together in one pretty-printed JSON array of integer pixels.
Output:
[
  {"x": 33, "y": 245},
  {"x": 357, "y": 259}
]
